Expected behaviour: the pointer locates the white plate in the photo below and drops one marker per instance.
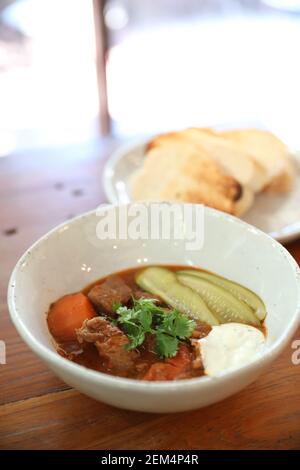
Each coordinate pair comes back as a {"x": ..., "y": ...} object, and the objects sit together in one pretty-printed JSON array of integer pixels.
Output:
[{"x": 278, "y": 215}]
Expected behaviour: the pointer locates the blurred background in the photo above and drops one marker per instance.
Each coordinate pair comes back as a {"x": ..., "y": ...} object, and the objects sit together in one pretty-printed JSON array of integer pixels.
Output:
[{"x": 72, "y": 71}]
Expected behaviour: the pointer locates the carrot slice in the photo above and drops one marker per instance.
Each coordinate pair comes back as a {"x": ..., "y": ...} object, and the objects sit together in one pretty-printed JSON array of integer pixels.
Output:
[{"x": 67, "y": 314}]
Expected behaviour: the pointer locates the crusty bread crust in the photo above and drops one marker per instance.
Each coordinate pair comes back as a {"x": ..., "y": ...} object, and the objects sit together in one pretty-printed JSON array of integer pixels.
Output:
[
  {"x": 178, "y": 170},
  {"x": 234, "y": 161},
  {"x": 270, "y": 152}
]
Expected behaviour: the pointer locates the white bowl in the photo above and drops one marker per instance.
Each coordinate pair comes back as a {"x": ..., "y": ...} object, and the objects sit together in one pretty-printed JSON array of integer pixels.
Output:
[{"x": 71, "y": 256}]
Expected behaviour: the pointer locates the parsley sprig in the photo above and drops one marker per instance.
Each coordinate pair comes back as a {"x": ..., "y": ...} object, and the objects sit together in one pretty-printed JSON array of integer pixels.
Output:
[{"x": 168, "y": 326}]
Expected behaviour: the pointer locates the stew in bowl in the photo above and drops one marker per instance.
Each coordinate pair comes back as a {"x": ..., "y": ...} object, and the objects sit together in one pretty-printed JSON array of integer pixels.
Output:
[{"x": 160, "y": 323}]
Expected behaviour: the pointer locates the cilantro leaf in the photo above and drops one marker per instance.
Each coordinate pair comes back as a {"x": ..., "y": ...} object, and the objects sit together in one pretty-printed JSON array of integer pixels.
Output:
[
  {"x": 135, "y": 340},
  {"x": 145, "y": 319},
  {"x": 166, "y": 345},
  {"x": 168, "y": 327},
  {"x": 179, "y": 325},
  {"x": 135, "y": 334}
]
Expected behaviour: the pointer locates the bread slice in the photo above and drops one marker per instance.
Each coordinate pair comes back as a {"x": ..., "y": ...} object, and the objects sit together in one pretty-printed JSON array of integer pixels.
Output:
[
  {"x": 180, "y": 171},
  {"x": 237, "y": 163},
  {"x": 269, "y": 152}
]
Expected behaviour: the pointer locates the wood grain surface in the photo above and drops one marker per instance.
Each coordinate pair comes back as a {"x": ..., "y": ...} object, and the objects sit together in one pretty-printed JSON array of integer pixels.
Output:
[{"x": 39, "y": 190}]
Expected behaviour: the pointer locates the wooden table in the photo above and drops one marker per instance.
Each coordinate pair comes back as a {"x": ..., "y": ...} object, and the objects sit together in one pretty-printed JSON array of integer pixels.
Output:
[{"x": 39, "y": 190}]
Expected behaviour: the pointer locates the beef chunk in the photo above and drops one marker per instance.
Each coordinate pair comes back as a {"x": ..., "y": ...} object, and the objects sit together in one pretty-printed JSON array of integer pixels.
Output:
[
  {"x": 201, "y": 330},
  {"x": 141, "y": 294},
  {"x": 111, "y": 291},
  {"x": 161, "y": 371},
  {"x": 110, "y": 342},
  {"x": 173, "y": 368}
]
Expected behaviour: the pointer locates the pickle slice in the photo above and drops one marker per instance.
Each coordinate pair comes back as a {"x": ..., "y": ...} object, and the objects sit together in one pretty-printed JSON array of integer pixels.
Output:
[
  {"x": 241, "y": 292},
  {"x": 225, "y": 306},
  {"x": 163, "y": 283}
]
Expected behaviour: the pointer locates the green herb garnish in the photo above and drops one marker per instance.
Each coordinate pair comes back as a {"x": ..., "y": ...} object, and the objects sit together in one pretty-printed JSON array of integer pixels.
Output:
[{"x": 168, "y": 326}]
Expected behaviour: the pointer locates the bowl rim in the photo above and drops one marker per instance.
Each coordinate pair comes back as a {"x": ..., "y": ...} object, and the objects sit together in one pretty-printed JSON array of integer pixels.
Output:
[{"x": 52, "y": 357}]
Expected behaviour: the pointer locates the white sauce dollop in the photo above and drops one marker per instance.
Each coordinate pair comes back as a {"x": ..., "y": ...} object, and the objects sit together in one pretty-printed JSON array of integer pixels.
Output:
[{"x": 230, "y": 346}]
